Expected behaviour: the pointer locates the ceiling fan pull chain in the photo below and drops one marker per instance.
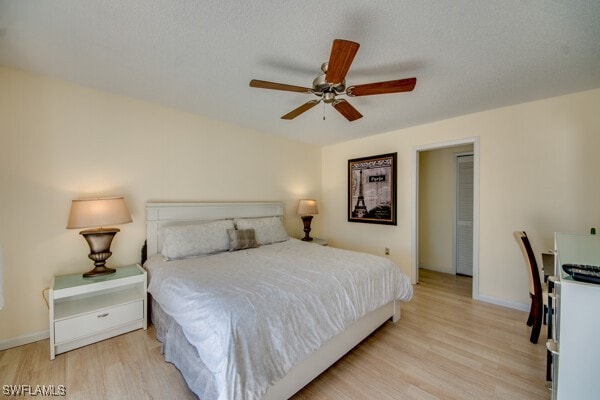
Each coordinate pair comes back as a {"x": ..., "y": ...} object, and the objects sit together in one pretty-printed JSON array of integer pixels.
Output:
[{"x": 323, "y": 111}]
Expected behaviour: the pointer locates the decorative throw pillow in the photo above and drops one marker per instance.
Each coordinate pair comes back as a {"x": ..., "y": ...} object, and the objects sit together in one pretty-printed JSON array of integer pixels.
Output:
[
  {"x": 267, "y": 230},
  {"x": 185, "y": 241},
  {"x": 240, "y": 239}
]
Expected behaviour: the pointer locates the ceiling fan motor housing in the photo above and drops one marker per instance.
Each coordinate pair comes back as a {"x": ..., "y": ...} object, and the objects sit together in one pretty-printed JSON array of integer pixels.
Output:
[{"x": 322, "y": 87}]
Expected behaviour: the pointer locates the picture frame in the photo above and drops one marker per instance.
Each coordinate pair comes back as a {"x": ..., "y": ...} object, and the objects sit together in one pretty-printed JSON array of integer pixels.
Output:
[{"x": 372, "y": 189}]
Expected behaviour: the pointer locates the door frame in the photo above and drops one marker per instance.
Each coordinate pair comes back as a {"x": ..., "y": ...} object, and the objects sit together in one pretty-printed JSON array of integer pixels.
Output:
[
  {"x": 455, "y": 208},
  {"x": 415, "y": 206}
]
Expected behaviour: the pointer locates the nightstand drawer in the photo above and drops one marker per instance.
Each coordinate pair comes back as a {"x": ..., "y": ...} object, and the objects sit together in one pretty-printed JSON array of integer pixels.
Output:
[{"x": 86, "y": 324}]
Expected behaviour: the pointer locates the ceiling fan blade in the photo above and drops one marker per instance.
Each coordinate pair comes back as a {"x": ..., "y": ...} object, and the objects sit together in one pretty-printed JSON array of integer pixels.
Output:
[
  {"x": 340, "y": 59},
  {"x": 400, "y": 85},
  {"x": 278, "y": 86},
  {"x": 347, "y": 110},
  {"x": 303, "y": 108}
]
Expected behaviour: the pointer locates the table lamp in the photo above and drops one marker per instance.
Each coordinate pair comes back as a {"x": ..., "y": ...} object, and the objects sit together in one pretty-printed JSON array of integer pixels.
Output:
[
  {"x": 307, "y": 208},
  {"x": 98, "y": 213}
]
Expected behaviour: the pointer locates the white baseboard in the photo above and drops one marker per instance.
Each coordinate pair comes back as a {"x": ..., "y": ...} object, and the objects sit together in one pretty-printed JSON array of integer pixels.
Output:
[
  {"x": 504, "y": 303},
  {"x": 25, "y": 339}
]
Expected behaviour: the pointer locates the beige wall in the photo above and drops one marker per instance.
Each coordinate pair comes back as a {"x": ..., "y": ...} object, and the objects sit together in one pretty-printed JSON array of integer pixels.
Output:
[
  {"x": 539, "y": 171},
  {"x": 60, "y": 141},
  {"x": 437, "y": 180}
]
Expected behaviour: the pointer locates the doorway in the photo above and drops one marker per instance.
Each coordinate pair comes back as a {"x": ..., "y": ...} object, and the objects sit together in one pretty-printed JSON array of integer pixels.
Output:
[{"x": 443, "y": 218}]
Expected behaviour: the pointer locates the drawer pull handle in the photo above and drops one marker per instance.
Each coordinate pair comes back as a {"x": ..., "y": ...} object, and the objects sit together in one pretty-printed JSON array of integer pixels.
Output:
[{"x": 103, "y": 315}]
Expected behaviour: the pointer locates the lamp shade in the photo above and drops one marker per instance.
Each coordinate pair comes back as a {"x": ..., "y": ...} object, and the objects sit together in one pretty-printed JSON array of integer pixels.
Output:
[
  {"x": 307, "y": 207},
  {"x": 98, "y": 212}
]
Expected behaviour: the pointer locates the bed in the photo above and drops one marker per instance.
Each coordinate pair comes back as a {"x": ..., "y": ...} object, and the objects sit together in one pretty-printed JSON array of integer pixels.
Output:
[{"x": 262, "y": 321}]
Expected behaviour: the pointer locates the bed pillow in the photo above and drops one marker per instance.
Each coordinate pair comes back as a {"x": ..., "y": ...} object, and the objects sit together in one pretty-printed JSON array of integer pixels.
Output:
[
  {"x": 185, "y": 241},
  {"x": 267, "y": 230},
  {"x": 240, "y": 239}
]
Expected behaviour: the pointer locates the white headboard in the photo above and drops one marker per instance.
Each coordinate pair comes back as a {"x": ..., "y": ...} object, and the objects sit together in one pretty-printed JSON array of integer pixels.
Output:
[{"x": 162, "y": 214}]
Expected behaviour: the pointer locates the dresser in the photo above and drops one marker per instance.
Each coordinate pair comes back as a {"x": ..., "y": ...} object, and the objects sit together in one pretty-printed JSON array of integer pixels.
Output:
[
  {"x": 86, "y": 310},
  {"x": 573, "y": 339}
]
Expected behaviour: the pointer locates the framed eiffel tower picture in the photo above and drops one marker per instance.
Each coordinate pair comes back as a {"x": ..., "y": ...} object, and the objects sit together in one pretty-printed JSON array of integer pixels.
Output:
[{"x": 372, "y": 189}]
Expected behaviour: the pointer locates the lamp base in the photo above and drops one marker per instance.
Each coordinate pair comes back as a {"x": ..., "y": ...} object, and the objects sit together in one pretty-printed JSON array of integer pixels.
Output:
[
  {"x": 99, "y": 271},
  {"x": 99, "y": 241},
  {"x": 306, "y": 220}
]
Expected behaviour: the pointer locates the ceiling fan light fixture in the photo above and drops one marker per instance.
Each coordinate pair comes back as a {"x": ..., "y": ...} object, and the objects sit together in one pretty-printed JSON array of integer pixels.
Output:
[
  {"x": 328, "y": 97},
  {"x": 320, "y": 85}
]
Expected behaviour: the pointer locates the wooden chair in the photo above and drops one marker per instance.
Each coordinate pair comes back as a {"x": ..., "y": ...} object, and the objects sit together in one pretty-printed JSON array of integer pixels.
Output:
[{"x": 538, "y": 290}]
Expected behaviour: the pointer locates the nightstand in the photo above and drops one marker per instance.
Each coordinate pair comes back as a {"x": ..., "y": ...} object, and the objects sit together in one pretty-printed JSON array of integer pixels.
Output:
[
  {"x": 319, "y": 241},
  {"x": 87, "y": 310}
]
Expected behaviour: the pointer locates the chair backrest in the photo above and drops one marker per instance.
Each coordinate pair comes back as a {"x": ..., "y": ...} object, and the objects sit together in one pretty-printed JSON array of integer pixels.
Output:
[{"x": 535, "y": 283}]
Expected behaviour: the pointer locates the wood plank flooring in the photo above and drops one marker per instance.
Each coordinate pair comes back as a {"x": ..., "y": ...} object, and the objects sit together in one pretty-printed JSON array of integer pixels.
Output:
[{"x": 446, "y": 346}]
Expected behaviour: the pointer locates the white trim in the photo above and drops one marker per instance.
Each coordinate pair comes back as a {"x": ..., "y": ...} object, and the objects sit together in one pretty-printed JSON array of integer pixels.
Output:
[
  {"x": 24, "y": 339},
  {"x": 504, "y": 303},
  {"x": 415, "y": 206},
  {"x": 414, "y": 254},
  {"x": 476, "y": 218}
]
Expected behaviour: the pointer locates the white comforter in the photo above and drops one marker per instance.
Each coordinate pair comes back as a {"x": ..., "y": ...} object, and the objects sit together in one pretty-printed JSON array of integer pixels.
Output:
[{"x": 253, "y": 314}]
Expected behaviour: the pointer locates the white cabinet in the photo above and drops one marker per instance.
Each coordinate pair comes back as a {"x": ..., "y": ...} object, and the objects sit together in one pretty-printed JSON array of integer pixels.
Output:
[
  {"x": 87, "y": 310},
  {"x": 576, "y": 360}
]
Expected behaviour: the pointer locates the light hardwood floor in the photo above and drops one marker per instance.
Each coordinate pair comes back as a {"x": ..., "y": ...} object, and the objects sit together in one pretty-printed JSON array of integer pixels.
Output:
[{"x": 446, "y": 346}]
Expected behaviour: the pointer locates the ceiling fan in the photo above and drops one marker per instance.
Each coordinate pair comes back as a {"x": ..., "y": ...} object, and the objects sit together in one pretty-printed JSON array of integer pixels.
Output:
[{"x": 332, "y": 84}]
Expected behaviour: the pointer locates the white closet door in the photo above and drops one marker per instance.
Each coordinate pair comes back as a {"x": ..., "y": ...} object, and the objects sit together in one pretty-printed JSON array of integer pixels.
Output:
[{"x": 464, "y": 215}]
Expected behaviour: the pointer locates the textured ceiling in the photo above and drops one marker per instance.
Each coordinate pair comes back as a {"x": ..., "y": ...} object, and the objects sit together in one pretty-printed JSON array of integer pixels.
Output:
[{"x": 199, "y": 56}]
